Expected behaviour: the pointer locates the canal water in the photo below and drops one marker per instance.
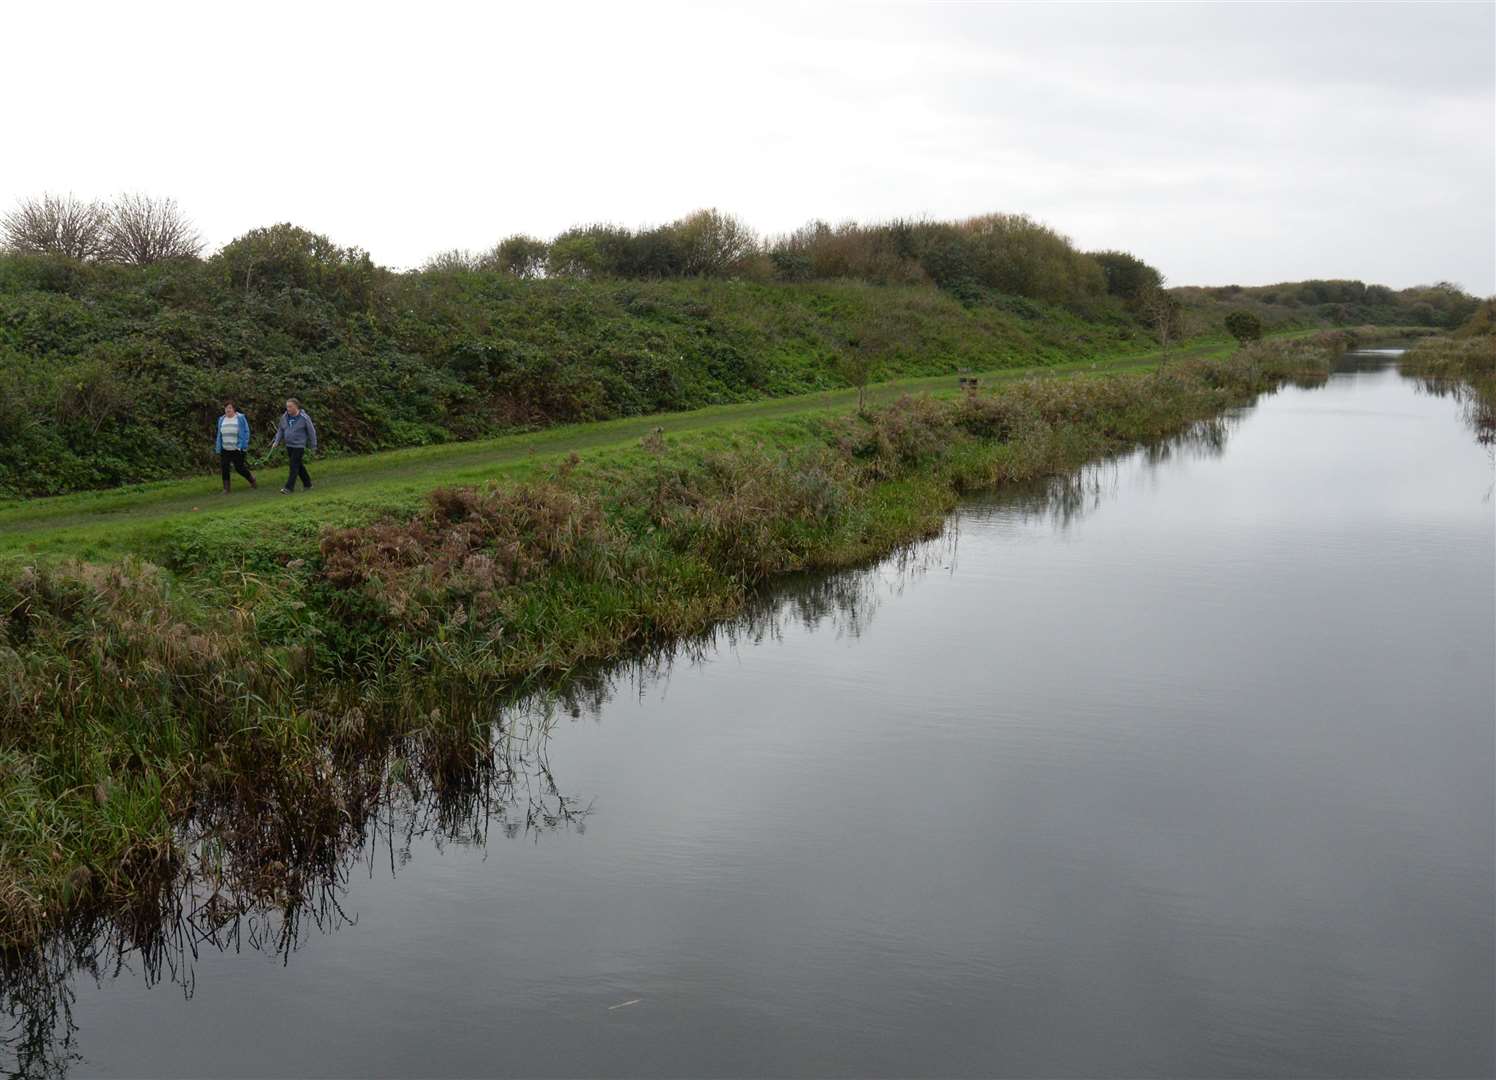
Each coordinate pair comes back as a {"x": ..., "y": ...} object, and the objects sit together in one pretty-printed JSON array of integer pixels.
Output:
[{"x": 1181, "y": 767}]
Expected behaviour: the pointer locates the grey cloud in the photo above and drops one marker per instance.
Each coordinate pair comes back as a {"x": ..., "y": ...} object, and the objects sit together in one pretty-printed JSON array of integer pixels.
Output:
[{"x": 1245, "y": 142}]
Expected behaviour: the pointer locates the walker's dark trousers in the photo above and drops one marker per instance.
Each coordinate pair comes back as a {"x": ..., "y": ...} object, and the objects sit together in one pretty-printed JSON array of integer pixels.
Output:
[
  {"x": 297, "y": 468},
  {"x": 234, "y": 459}
]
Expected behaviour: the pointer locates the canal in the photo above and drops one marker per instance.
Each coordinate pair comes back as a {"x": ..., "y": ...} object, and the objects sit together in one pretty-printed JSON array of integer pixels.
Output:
[{"x": 1182, "y": 766}]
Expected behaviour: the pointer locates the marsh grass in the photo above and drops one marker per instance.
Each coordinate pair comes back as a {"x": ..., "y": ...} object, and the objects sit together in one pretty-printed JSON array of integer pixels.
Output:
[
  {"x": 259, "y": 694},
  {"x": 1465, "y": 368}
]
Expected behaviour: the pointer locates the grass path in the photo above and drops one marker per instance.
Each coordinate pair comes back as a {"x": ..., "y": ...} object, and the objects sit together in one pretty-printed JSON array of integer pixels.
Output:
[{"x": 130, "y": 518}]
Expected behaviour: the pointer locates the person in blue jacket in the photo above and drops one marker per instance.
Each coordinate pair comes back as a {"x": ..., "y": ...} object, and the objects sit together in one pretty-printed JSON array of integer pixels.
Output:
[
  {"x": 299, "y": 434},
  {"x": 230, "y": 441}
]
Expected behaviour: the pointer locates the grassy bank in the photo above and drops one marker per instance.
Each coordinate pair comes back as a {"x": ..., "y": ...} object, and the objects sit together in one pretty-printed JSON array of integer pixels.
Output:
[
  {"x": 262, "y": 679},
  {"x": 149, "y": 519},
  {"x": 112, "y": 375},
  {"x": 1463, "y": 366}
]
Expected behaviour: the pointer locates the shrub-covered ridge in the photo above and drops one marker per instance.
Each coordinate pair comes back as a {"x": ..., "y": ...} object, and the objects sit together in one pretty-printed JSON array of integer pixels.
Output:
[{"x": 112, "y": 375}]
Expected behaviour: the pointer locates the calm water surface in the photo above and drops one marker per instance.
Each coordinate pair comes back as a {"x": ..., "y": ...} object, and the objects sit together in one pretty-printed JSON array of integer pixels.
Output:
[{"x": 1185, "y": 768}]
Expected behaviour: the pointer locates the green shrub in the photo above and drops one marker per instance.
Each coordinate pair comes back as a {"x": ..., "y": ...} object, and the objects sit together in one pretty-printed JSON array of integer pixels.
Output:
[
  {"x": 1244, "y": 326},
  {"x": 520, "y": 255},
  {"x": 288, "y": 257},
  {"x": 1127, "y": 276}
]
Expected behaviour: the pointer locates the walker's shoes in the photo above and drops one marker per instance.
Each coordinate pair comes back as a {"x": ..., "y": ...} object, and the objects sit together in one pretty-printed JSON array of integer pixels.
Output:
[
  {"x": 252, "y": 482},
  {"x": 285, "y": 491}
]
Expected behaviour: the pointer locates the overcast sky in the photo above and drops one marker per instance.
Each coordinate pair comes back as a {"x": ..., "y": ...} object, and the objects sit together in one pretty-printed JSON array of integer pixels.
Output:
[{"x": 1229, "y": 143}]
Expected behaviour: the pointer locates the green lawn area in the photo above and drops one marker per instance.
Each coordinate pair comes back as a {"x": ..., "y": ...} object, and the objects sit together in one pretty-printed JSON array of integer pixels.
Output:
[{"x": 137, "y": 519}]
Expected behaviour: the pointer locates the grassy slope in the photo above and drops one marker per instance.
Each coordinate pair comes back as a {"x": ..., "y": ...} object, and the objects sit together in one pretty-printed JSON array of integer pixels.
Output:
[
  {"x": 142, "y": 519},
  {"x": 289, "y": 672},
  {"x": 115, "y": 375}
]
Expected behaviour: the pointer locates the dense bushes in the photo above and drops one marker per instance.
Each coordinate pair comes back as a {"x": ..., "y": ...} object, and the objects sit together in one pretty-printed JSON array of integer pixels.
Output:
[
  {"x": 112, "y": 374},
  {"x": 1127, "y": 276},
  {"x": 707, "y": 243},
  {"x": 1005, "y": 253},
  {"x": 1244, "y": 326},
  {"x": 1482, "y": 321},
  {"x": 1341, "y": 303},
  {"x": 285, "y": 259}
]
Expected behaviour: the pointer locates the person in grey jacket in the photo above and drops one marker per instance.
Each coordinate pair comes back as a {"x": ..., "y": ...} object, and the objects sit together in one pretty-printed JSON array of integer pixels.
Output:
[{"x": 299, "y": 435}]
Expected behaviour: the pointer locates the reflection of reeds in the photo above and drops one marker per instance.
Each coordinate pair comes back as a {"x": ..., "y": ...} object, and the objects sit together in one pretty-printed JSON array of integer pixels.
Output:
[
  {"x": 257, "y": 872},
  {"x": 268, "y": 703},
  {"x": 840, "y": 601},
  {"x": 1064, "y": 499},
  {"x": 1461, "y": 368}
]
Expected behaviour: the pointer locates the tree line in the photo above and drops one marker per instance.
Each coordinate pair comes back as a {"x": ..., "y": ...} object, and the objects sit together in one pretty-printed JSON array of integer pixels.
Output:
[
  {"x": 1010, "y": 254},
  {"x": 1341, "y": 302},
  {"x": 977, "y": 257},
  {"x": 1003, "y": 253}
]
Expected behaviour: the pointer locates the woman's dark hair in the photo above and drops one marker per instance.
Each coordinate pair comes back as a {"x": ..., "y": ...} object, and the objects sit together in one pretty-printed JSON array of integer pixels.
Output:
[
  {"x": 293, "y": 401},
  {"x": 226, "y": 404}
]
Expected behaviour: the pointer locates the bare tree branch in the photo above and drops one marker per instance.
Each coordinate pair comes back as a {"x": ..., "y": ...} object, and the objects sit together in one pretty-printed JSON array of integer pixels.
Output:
[
  {"x": 142, "y": 230},
  {"x": 56, "y": 225}
]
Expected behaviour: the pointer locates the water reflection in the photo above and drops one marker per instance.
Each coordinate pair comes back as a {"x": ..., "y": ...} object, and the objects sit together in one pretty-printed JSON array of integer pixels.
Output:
[
  {"x": 1477, "y": 412},
  {"x": 1063, "y": 501},
  {"x": 841, "y": 603},
  {"x": 255, "y": 879}
]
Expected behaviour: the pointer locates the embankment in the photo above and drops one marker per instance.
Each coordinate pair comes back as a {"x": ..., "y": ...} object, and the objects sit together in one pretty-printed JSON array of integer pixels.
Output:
[
  {"x": 243, "y": 703},
  {"x": 113, "y": 375}
]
